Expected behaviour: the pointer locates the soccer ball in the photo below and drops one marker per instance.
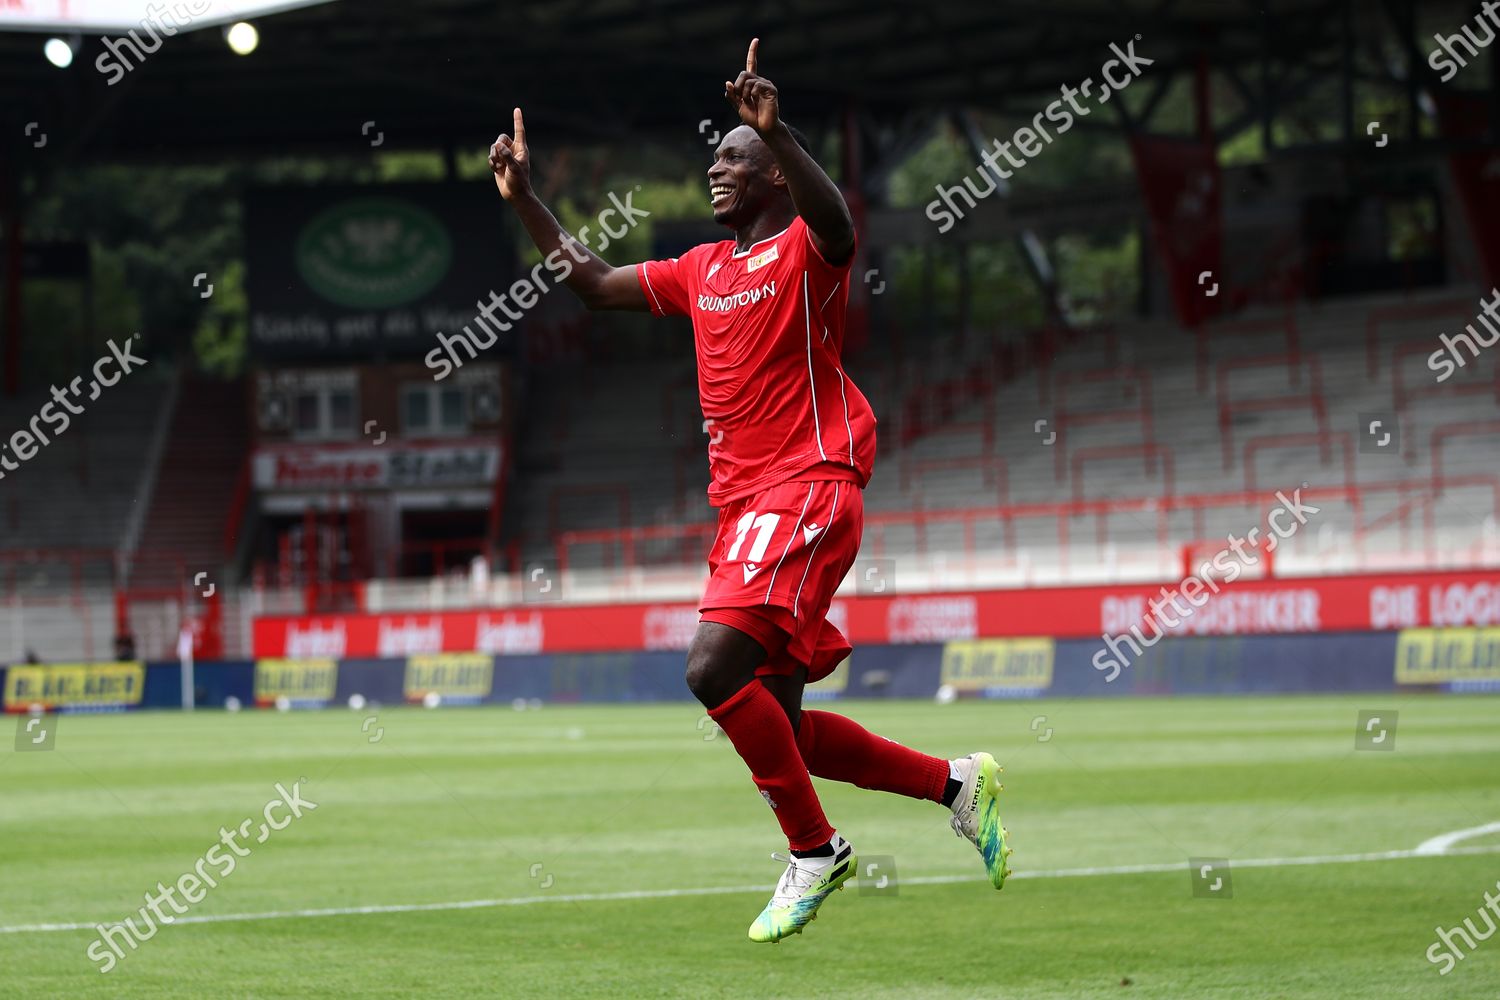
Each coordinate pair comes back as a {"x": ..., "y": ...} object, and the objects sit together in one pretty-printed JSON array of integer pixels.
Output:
[
  {"x": 356, "y": 701},
  {"x": 283, "y": 703},
  {"x": 432, "y": 699},
  {"x": 946, "y": 695},
  {"x": 231, "y": 704}
]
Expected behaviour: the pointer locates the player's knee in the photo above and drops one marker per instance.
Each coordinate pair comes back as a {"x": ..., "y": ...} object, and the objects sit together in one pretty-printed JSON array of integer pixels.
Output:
[
  {"x": 721, "y": 661},
  {"x": 712, "y": 676},
  {"x": 702, "y": 675}
]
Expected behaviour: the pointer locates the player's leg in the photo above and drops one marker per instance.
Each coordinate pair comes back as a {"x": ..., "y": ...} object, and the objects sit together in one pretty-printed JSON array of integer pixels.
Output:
[
  {"x": 832, "y": 746},
  {"x": 837, "y": 748},
  {"x": 721, "y": 668},
  {"x": 745, "y": 617},
  {"x": 787, "y": 689},
  {"x": 721, "y": 673}
]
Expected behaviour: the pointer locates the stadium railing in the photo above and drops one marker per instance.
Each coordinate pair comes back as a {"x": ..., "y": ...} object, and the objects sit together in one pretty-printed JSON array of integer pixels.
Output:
[
  {"x": 1284, "y": 326},
  {"x": 1478, "y": 383},
  {"x": 1457, "y": 429},
  {"x": 1407, "y": 312},
  {"x": 625, "y": 544},
  {"x": 1312, "y": 398},
  {"x": 57, "y": 602},
  {"x": 1320, "y": 439},
  {"x": 1067, "y": 416},
  {"x": 235, "y": 518}
]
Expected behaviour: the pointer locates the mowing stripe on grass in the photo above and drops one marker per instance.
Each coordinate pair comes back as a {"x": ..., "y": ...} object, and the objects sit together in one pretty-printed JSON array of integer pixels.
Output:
[{"x": 725, "y": 890}]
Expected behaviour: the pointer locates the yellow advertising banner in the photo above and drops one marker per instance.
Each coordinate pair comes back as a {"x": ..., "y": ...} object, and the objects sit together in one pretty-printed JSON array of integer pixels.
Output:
[
  {"x": 451, "y": 675},
  {"x": 295, "y": 680},
  {"x": 976, "y": 664},
  {"x": 1445, "y": 655},
  {"x": 66, "y": 685}
]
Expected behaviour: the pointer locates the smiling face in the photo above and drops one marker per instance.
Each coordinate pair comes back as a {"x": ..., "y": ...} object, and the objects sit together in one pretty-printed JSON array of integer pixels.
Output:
[{"x": 744, "y": 179}]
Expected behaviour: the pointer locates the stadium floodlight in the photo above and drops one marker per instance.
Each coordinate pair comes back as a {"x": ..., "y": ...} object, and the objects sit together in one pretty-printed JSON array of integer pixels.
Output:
[
  {"x": 242, "y": 37},
  {"x": 59, "y": 52},
  {"x": 116, "y": 17}
]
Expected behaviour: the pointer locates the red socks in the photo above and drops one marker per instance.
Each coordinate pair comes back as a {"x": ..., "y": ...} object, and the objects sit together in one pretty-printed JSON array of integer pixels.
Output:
[
  {"x": 760, "y": 731},
  {"x": 830, "y": 746},
  {"x": 842, "y": 750}
]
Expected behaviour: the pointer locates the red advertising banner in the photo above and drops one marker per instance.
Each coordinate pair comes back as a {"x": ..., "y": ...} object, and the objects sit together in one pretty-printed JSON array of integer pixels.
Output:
[{"x": 1249, "y": 607}]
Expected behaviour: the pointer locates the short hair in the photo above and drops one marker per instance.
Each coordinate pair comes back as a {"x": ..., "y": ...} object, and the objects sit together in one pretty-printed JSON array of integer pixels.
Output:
[{"x": 796, "y": 134}]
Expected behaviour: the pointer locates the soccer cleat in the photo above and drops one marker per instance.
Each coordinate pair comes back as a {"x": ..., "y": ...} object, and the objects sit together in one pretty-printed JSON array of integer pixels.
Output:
[
  {"x": 976, "y": 814},
  {"x": 803, "y": 887}
]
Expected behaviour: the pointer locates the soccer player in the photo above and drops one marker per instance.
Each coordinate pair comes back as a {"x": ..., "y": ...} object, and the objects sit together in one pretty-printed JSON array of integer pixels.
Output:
[{"x": 791, "y": 446}]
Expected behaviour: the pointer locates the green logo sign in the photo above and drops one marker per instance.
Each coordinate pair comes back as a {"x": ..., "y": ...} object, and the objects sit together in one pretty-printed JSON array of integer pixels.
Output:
[{"x": 371, "y": 253}]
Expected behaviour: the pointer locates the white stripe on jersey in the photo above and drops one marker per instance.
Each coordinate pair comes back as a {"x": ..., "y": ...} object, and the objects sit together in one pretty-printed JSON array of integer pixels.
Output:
[
  {"x": 812, "y": 385},
  {"x": 646, "y": 273},
  {"x": 847, "y": 429},
  {"x": 829, "y": 299},
  {"x": 827, "y": 529},
  {"x": 825, "y": 306},
  {"x": 790, "y": 539}
]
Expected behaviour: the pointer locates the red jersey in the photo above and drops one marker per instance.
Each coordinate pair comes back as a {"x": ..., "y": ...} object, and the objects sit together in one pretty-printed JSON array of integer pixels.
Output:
[{"x": 768, "y": 323}]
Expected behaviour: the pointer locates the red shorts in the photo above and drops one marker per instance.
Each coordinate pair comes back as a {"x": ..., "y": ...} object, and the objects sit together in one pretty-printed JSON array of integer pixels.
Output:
[{"x": 778, "y": 558}]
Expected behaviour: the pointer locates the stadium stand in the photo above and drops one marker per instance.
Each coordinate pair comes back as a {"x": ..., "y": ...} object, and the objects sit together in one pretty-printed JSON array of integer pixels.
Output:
[
  {"x": 1015, "y": 459},
  {"x": 195, "y": 485},
  {"x": 1101, "y": 462},
  {"x": 80, "y": 489},
  {"x": 607, "y": 452},
  {"x": 64, "y": 531}
]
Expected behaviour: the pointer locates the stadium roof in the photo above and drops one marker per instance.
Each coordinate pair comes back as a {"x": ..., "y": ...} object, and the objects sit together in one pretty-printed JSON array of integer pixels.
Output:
[{"x": 446, "y": 72}]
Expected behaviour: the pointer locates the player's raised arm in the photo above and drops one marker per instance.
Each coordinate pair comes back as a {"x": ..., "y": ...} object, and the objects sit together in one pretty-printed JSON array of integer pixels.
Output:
[
  {"x": 598, "y": 283},
  {"x": 817, "y": 198}
]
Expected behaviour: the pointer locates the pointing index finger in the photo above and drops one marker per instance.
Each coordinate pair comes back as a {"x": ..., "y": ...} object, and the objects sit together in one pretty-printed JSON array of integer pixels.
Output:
[
  {"x": 750, "y": 56},
  {"x": 520, "y": 126}
]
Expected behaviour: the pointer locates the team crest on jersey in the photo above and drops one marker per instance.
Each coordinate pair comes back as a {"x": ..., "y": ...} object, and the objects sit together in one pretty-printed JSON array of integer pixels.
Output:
[{"x": 762, "y": 259}]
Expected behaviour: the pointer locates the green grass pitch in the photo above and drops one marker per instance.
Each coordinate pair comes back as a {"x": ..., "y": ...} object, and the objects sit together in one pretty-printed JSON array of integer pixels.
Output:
[{"x": 575, "y": 829}]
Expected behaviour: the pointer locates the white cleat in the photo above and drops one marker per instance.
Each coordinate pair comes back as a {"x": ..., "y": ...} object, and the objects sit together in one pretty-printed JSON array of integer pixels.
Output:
[
  {"x": 803, "y": 887},
  {"x": 976, "y": 813}
]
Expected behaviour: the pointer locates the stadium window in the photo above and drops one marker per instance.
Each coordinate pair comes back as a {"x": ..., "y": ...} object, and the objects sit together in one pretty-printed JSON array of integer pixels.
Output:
[
  {"x": 323, "y": 413},
  {"x": 453, "y": 411},
  {"x": 431, "y": 410},
  {"x": 306, "y": 415},
  {"x": 341, "y": 412},
  {"x": 416, "y": 410}
]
